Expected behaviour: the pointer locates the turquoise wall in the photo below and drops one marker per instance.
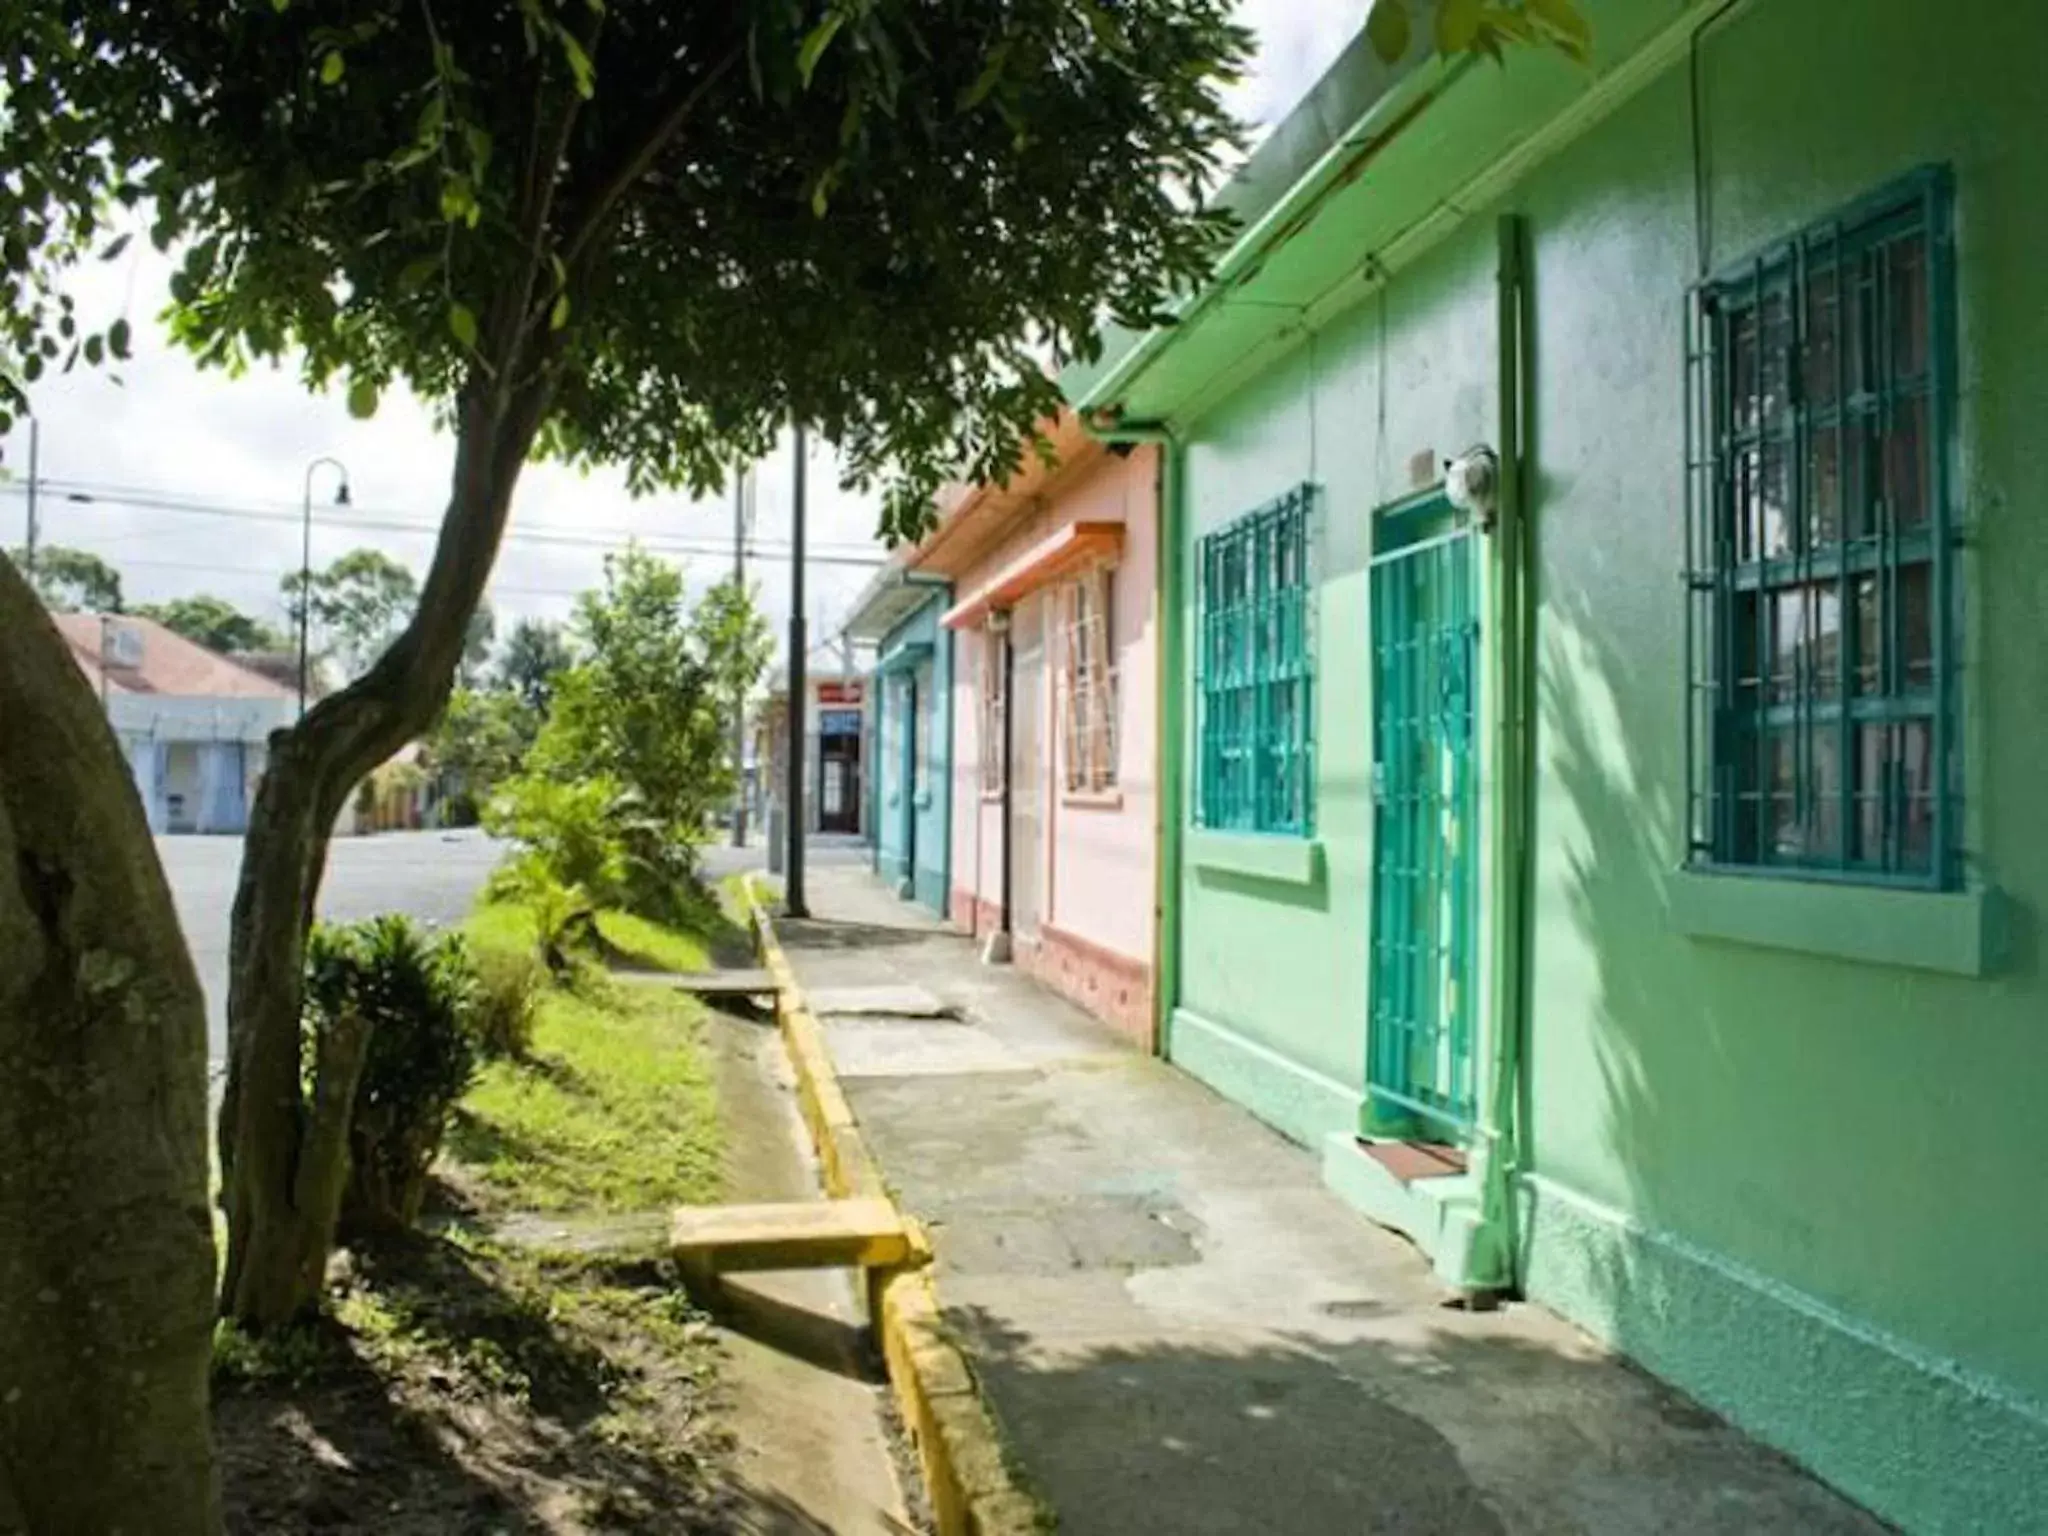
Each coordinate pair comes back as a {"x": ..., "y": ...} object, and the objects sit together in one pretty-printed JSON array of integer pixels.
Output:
[
  {"x": 1806, "y": 1188},
  {"x": 911, "y": 820}
]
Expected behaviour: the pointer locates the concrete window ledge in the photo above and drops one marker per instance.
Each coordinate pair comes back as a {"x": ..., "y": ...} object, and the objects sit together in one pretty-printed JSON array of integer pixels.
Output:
[
  {"x": 1955, "y": 932},
  {"x": 1278, "y": 860}
]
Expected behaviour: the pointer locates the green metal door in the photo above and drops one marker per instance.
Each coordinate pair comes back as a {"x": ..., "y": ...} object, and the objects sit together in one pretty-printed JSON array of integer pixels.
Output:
[{"x": 1425, "y": 639}]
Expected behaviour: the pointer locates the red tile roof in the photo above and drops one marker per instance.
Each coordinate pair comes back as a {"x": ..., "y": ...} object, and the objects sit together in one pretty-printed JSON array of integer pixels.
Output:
[{"x": 170, "y": 665}]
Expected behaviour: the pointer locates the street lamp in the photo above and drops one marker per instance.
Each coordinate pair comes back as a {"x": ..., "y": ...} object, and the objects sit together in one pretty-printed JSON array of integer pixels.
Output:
[{"x": 306, "y": 559}]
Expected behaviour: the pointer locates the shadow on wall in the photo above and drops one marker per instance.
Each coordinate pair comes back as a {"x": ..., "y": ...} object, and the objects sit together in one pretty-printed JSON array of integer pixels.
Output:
[
  {"x": 1653, "y": 1024},
  {"x": 1420, "y": 1431}
]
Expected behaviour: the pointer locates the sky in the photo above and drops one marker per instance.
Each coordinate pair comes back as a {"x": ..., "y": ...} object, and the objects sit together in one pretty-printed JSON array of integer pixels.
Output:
[{"x": 196, "y": 478}]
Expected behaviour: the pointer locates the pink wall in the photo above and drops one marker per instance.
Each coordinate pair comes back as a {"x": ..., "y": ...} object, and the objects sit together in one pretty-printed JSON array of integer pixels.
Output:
[{"x": 1096, "y": 865}]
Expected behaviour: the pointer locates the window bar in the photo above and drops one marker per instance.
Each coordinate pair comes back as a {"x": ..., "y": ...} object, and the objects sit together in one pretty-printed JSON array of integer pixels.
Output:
[
  {"x": 1749, "y": 533},
  {"x": 1891, "y": 674},
  {"x": 1723, "y": 490},
  {"x": 1940, "y": 374},
  {"x": 1689, "y": 575},
  {"x": 1845, "y": 730}
]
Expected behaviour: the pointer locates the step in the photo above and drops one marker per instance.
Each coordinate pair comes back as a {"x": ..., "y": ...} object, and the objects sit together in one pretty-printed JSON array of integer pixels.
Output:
[
  {"x": 800, "y": 1234},
  {"x": 729, "y": 983}
]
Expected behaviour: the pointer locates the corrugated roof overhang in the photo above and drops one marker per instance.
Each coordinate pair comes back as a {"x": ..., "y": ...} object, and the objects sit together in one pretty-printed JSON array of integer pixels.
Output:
[
  {"x": 1070, "y": 549},
  {"x": 1375, "y": 166}
]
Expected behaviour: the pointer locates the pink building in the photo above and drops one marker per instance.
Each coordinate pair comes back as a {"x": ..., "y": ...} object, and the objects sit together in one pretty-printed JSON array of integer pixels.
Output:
[{"x": 1055, "y": 627}]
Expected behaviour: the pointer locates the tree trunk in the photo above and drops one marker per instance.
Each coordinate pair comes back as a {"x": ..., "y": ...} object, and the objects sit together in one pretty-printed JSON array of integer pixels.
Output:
[
  {"x": 281, "y": 1185},
  {"x": 106, "y": 1251}
]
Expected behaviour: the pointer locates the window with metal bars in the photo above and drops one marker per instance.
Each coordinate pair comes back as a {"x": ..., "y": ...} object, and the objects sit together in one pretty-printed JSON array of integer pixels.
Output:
[
  {"x": 1823, "y": 631},
  {"x": 1087, "y": 683},
  {"x": 994, "y": 767},
  {"x": 1255, "y": 665}
]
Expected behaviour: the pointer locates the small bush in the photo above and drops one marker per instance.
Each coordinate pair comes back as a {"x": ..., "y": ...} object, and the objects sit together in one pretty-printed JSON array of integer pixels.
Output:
[
  {"x": 564, "y": 917},
  {"x": 570, "y": 830},
  {"x": 418, "y": 995},
  {"x": 509, "y": 983}
]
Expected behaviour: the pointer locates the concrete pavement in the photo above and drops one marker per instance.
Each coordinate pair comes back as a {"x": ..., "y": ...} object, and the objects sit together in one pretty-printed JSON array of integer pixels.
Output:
[{"x": 1182, "y": 1331}]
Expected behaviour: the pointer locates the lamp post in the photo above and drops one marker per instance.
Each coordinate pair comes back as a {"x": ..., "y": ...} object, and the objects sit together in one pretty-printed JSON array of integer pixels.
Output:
[
  {"x": 793, "y": 865},
  {"x": 740, "y": 520},
  {"x": 306, "y": 560}
]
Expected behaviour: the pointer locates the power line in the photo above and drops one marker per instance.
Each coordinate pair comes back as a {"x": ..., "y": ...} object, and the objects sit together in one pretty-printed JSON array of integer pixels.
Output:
[{"x": 610, "y": 538}]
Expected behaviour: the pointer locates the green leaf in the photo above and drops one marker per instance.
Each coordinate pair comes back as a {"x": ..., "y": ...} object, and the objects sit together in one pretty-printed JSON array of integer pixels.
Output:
[
  {"x": 1389, "y": 29},
  {"x": 580, "y": 67},
  {"x": 95, "y": 349},
  {"x": 1457, "y": 26},
  {"x": 331, "y": 69},
  {"x": 116, "y": 247},
  {"x": 815, "y": 45},
  {"x": 362, "y": 399},
  {"x": 118, "y": 338},
  {"x": 280, "y": 6},
  {"x": 462, "y": 322},
  {"x": 415, "y": 274},
  {"x": 1567, "y": 24},
  {"x": 479, "y": 145},
  {"x": 985, "y": 82},
  {"x": 558, "y": 316}
]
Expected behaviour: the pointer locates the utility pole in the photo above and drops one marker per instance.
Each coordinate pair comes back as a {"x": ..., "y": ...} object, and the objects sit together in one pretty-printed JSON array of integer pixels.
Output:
[
  {"x": 793, "y": 866},
  {"x": 28, "y": 548},
  {"x": 739, "y": 700}
]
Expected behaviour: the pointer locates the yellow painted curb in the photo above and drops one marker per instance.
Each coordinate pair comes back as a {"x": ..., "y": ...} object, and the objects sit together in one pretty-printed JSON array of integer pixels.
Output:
[{"x": 967, "y": 1476}]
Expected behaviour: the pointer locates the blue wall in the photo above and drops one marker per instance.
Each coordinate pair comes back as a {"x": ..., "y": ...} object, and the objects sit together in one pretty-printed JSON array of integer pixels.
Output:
[{"x": 912, "y": 771}]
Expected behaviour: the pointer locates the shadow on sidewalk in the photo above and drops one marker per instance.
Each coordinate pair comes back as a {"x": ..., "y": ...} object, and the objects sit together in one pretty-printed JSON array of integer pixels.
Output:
[
  {"x": 825, "y": 934},
  {"x": 1304, "y": 1434}
]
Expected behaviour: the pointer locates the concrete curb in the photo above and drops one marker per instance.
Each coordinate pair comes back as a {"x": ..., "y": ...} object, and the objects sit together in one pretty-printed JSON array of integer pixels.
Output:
[{"x": 959, "y": 1449}]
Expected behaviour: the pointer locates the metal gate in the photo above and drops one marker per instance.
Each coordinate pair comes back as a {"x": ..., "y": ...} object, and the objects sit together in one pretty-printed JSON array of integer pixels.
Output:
[{"x": 1425, "y": 639}]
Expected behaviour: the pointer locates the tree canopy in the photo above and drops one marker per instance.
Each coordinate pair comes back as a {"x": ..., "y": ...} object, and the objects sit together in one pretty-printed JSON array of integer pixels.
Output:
[
  {"x": 534, "y": 653},
  {"x": 685, "y": 225},
  {"x": 359, "y": 602},
  {"x": 215, "y": 623},
  {"x": 73, "y": 580}
]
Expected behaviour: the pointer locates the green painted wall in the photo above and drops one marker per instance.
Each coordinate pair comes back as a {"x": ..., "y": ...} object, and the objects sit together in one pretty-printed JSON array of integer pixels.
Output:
[
  {"x": 1808, "y": 1188},
  {"x": 1346, "y": 414}
]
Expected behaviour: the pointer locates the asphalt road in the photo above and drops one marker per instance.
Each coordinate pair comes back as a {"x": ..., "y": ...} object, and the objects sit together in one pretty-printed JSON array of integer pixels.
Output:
[{"x": 431, "y": 875}]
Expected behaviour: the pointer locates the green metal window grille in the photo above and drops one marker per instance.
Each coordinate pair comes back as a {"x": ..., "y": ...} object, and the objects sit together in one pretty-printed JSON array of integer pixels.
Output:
[
  {"x": 1256, "y": 671},
  {"x": 1822, "y": 626}
]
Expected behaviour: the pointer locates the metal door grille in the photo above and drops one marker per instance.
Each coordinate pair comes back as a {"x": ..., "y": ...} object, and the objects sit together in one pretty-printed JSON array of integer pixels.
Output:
[{"x": 1425, "y": 861}]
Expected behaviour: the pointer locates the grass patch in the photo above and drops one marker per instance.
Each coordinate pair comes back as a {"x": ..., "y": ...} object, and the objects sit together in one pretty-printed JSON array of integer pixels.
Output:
[
  {"x": 649, "y": 946},
  {"x": 614, "y": 1111},
  {"x": 502, "y": 925}
]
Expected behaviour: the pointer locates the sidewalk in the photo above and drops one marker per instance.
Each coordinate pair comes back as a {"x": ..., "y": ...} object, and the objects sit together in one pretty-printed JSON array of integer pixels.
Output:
[{"x": 1181, "y": 1331}]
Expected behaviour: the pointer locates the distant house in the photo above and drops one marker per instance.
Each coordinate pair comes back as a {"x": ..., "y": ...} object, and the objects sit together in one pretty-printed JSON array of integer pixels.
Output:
[{"x": 192, "y": 723}]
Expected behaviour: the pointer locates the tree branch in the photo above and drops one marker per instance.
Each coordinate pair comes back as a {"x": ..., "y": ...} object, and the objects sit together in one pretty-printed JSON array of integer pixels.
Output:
[{"x": 636, "y": 162}]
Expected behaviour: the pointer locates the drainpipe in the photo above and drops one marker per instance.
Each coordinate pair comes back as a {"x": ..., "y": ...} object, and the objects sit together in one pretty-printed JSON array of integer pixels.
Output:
[
  {"x": 1169, "y": 735},
  {"x": 1000, "y": 945},
  {"x": 1497, "y": 1262}
]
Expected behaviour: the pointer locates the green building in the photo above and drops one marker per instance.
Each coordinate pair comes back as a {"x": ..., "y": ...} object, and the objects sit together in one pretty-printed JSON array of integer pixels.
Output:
[{"x": 1624, "y": 862}]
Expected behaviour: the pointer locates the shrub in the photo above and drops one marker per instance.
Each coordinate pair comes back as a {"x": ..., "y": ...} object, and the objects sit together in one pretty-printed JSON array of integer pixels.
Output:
[
  {"x": 508, "y": 987},
  {"x": 564, "y": 917},
  {"x": 570, "y": 829},
  {"x": 417, "y": 994}
]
